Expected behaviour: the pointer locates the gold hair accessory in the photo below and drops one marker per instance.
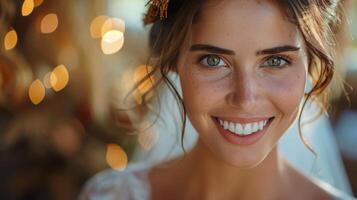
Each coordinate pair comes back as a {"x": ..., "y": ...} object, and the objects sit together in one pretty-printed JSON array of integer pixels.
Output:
[{"x": 156, "y": 7}]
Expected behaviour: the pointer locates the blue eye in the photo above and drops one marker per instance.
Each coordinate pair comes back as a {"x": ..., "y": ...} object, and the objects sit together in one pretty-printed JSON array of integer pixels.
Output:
[
  {"x": 276, "y": 62},
  {"x": 212, "y": 61}
]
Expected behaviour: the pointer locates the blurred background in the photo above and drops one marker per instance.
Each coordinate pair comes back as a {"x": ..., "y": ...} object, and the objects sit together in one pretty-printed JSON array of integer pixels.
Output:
[{"x": 65, "y": 69}]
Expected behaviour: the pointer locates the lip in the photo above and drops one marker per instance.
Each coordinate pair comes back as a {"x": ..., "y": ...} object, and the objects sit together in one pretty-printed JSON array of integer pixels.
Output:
[
  {"x": 243, "y": 120},
  {"x": 242, "y": 140}
]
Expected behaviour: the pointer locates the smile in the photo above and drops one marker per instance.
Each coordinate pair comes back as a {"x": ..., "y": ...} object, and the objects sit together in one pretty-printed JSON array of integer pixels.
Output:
[{"x": 243, "y": 129}]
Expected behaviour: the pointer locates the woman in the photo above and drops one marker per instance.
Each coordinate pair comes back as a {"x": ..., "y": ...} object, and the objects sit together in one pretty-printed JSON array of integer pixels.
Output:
[{"x": 247, "y": 69}]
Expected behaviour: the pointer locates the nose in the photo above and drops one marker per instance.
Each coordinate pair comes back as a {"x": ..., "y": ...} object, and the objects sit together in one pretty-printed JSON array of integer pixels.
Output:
[{"x": 244, "y": 93}]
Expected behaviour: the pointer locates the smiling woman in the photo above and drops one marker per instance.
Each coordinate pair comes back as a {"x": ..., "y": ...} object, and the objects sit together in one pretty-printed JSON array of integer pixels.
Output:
[
  {"x": 256, "y": 75},
  {"x": 244, "y": 69}
]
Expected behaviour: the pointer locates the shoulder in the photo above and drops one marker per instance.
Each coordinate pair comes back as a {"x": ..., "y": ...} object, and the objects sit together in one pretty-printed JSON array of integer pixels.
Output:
[
  {"x": 119, "y": 185},
  {"x": 312, "y": 188}
]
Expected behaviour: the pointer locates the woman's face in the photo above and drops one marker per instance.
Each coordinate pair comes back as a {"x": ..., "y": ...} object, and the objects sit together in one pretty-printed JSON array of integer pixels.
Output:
[{"x": 242, "y": 76}]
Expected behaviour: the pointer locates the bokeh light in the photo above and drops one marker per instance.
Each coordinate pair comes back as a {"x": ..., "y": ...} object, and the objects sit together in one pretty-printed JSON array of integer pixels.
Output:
[
  {"x": 112, "y": 42},
  {"x": 116, "y": 157},
  {"x": 36, "y": 92},
  {"x": 59, "y": 78},
  {"x": 140, "y": 73},
  {"x": 96, "y": 26},
  {"x": 27, "y": 7},
  {"x": 146, "y": 85},
  {"x": 10, "y": 39},
  {"x": 113, "y": 24},
  {"x": 49, "y": 23}
]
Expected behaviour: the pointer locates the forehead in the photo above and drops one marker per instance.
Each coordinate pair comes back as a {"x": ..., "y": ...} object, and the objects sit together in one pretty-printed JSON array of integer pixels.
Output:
[{"x": 244, "y": 23}]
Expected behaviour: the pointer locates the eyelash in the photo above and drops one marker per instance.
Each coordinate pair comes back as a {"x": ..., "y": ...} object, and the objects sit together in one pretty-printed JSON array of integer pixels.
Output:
[
  {"x": 201, "y": 58},
  {"x": 285, "y": 58}
]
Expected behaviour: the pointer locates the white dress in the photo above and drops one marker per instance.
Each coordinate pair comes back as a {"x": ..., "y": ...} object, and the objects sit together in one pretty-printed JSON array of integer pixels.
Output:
[{"x": 130, "y": 184}]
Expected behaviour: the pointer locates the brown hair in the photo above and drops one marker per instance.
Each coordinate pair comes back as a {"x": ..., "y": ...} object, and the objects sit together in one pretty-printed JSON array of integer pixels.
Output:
[{"x": 318, "y": 20}]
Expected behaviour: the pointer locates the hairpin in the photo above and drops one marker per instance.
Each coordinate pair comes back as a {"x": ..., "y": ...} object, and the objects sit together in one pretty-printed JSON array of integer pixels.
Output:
[{"x": 156, "y": 7}]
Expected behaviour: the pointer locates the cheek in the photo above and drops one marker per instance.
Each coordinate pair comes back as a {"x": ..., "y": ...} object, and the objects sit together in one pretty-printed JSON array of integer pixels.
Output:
[
  {"x": 201, "y": 91},
  {"x": 287, "y": 93},
  {"x": 194, "y": 91}
]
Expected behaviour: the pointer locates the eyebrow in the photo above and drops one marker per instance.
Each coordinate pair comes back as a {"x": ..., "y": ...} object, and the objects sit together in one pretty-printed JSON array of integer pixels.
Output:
[
  {"x": 219, "y": 50},
  {"x": 211, "y": 49},
  {"x": 276, "y": 50}
]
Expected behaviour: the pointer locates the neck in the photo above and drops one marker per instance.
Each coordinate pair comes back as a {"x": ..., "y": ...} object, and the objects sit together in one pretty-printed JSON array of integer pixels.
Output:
[{"x": 217, "y": 179}]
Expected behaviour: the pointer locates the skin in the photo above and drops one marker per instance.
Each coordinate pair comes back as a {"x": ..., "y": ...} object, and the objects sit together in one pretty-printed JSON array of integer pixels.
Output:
[
  {"x": 244, "y": 86},
  {"x": 244, "y": 89}
]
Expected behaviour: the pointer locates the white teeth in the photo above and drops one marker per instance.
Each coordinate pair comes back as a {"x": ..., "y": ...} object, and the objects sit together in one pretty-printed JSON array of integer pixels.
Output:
[
  {"x": 261, "y": 124},
  {"x": 255, "y": 126},
  {"x": 247, "y": 129},
  {"x": 225, "y": 125},
  {"x": 243, "y": 129},
  {"x": 231, "y": 127},
  {"x": 239, "y": 128}
]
